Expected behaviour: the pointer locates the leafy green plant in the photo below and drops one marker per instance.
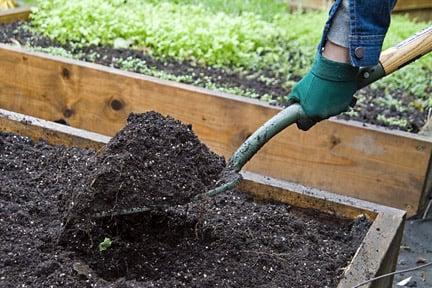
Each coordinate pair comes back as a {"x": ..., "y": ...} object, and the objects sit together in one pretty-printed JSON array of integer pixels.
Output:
[
  {"x": 267, "y": 9},
  {"x": 390, "y": 102},
  {"x": 164, "y": 29},
  {"x": 55, "y": 51},
  {"x": 105, "y": 244},
  {"x": 393, "y": 121}
]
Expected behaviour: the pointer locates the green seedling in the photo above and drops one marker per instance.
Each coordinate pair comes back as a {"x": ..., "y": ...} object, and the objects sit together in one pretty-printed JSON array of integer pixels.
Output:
[{"x": 105, "y": 244}]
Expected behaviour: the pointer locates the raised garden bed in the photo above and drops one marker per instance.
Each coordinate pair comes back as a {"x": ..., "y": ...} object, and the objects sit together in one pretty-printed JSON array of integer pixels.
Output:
[
  {"x": 400, "y": 101},
  {"x": 376, "y": 164},
  {"x": 48, "y": 263}
]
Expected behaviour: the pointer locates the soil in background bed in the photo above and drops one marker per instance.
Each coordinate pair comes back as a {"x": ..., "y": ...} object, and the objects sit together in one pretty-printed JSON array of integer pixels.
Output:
[
  {"x": 229, "y": 240},
  {"x": 257, "y": 81}
]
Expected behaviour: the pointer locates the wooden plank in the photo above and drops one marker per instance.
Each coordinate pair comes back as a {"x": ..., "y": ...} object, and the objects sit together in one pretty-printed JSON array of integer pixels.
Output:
[
  {"x": 369, "y": 163},
  {"x": 427, "y": 190},
  {"x": 262, "y": 187},
  {"x": 12, "y": 15},
  {"x": 376, "y": 255},
  {"x": 51, "y": 132}
]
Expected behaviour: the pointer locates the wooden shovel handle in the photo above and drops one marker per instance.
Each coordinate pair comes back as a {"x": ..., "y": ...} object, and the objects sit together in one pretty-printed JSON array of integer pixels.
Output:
[{"x": 407, "y": 51}]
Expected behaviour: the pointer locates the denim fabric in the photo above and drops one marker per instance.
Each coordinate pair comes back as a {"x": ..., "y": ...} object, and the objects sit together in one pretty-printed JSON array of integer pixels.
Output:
[
  {"x": 340, "y": 28},
  {"x": 369, "y": 22}
]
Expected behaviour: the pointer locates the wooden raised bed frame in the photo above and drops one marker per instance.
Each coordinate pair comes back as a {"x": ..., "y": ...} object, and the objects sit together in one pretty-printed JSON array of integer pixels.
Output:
[
  {"x": 376, "y": 255},
  {"x": 345, "y": 157}
]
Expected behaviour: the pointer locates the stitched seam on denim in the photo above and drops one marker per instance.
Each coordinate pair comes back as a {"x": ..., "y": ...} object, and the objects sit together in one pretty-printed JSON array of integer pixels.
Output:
[
  {"x": 353, "y": 30},
  {"x": 363, "y": 36},
  {"x": 367, "y": 42}
]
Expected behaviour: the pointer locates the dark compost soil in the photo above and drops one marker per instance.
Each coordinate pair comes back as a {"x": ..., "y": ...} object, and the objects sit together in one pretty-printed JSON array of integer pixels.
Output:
[
  {"x": 367, "y": 110},
  {"x": 154, "y": 161},
  {"x": 228, "y": 241}
]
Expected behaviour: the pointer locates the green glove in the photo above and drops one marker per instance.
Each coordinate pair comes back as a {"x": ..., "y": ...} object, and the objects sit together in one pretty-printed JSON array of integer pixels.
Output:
[{"x": 327, "y": 90}]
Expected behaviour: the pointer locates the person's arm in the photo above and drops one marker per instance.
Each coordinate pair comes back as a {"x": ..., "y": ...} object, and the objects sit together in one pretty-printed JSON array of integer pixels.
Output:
[
  {"x": 352, "y": 38},
  {"x": 335, "y": 52}
]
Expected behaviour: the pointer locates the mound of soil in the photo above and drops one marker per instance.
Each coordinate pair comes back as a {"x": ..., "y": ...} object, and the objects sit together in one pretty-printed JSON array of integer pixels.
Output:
[
  {"x": 257, "y": 81},
  {"x": 154, "y": 161},
  {"x": 230, "y": 240}
]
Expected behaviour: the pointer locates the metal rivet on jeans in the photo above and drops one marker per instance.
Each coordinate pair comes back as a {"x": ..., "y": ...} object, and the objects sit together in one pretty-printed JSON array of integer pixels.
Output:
[{"x": 359, "y": 52}]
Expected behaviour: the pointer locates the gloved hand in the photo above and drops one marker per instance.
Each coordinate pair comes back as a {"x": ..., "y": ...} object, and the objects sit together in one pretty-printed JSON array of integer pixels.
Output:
[{"x": 327, "y": 90}]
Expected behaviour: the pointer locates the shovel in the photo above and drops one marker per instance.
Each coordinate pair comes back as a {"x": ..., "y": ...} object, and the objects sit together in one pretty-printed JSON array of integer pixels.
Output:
[{"x": 391, "y": 60}]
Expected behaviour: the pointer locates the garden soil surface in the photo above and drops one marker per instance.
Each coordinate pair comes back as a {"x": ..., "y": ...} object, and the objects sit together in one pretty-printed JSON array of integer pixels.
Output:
[
  {"x": 227, "y": 241},
  {"x": 367, "y": 111}
]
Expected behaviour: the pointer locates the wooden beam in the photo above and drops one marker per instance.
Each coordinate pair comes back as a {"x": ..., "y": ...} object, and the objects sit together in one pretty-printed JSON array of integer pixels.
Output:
[
  {"x": 262, "y": 187},
  {"x": 427, "y": 190},
  {"x": 349, "y": 158},
  {"x": 12, "y": 15},
  {"x": 376, "y": 255},
  {"x": 57, "y": 134}
]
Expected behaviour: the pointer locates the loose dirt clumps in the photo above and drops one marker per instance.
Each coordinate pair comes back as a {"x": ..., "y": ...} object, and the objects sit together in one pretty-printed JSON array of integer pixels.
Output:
[
  {"x": 154, "y": 161},
  {"x": 228, "y": 241}
]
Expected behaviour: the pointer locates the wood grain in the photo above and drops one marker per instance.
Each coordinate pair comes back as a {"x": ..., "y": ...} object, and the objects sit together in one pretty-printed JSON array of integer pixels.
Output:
[
  {"x": 12, "y": 15},
  {"x": 396, "y": 57},
  {"x": 344, "y": 157},
  {"x": 53, "y": 133},
  {"x": 377, "y": 254}
]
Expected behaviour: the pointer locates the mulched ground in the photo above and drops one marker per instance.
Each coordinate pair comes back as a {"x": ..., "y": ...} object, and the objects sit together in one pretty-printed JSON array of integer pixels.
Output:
[
  {"x": 368, "y": 111},
  {"x": 226, "y": 241}
]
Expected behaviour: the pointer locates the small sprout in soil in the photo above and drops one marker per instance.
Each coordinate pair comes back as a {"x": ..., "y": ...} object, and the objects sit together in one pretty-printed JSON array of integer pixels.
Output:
[{"x": 105, "y": 244}]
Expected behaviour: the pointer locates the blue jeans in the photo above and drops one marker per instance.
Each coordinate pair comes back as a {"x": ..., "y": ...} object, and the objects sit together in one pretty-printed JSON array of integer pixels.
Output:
[{"x": 368, "y": 24}]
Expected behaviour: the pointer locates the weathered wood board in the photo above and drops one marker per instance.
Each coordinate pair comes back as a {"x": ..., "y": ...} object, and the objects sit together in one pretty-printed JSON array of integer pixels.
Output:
[
  {"x": 376, "y": 255},
  {"x": 12, "y": 15},
  {"x": 369, "y": 163}
]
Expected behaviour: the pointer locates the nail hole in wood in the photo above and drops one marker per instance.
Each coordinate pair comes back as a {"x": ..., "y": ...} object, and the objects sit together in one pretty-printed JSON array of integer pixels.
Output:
[
  {"x": 68, "y": 112},
  {"x": 116, "y": 104},
  {"x": 66, "y": 73},
  {"x": 334, "y": 141}
]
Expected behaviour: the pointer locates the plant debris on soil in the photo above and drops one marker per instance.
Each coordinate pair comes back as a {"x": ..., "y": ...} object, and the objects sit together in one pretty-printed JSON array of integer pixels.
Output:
[
  {"x": 227, "y": 241},
  {"x": 264, "y": 84}
]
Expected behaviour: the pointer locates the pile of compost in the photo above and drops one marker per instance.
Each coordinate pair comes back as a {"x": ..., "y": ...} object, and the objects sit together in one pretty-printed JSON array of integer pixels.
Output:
[
  {"x": 255, "y": 82},
  {"x": 229, "y": 241},
  {"x": 153, "y": 162}
]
